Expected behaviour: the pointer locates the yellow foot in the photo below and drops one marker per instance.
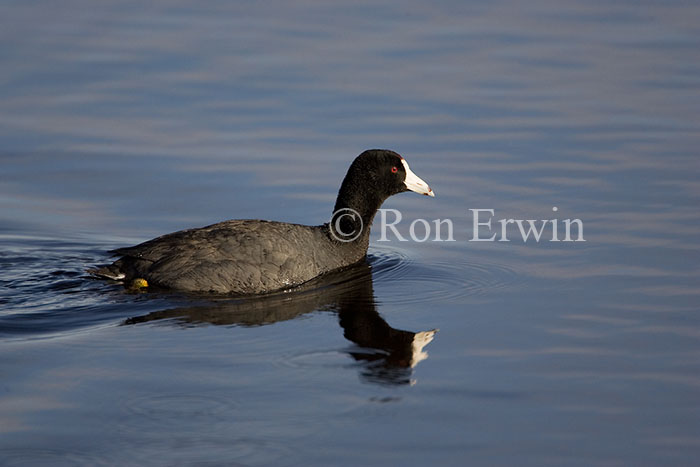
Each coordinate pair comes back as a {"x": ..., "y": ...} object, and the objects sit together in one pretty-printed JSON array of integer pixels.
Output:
[{"x": 138, "y": 284}]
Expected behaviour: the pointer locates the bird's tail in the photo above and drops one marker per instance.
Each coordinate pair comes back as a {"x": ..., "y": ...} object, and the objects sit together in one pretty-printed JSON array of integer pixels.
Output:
[{"x": 111, "y": 271}]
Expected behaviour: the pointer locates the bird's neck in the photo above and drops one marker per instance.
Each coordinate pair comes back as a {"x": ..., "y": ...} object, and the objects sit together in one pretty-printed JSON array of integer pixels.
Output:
[{"x": 353, "y": 213}]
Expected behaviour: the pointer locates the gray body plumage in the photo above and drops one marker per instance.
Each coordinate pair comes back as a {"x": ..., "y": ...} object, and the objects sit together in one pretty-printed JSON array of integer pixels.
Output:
[{"x": 236, "y": 257}]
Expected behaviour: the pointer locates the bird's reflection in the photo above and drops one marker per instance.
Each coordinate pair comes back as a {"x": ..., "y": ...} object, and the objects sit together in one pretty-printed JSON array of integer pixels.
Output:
[{"x": 386, "y": 355}]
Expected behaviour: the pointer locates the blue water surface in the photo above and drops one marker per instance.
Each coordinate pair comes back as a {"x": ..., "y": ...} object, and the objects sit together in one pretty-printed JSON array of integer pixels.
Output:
[{"x": 121, "y": 121}]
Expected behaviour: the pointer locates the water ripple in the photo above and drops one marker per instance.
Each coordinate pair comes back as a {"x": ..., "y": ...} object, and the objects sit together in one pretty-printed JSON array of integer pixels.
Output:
[
  {"x": 48, "y": 456},
  {"x": 438, "y": 280},
  {"x": 167, "y": 409},
  {"x": 44, "y": 289}
]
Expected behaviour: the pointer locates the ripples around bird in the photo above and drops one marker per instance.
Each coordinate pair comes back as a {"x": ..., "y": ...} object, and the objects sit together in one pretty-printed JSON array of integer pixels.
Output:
[
  {"x": 449, "y": 281},
  {"x": 45, "y": 291}
]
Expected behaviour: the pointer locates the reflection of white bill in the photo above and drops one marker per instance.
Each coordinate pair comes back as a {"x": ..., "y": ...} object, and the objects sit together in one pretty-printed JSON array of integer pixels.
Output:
[
  {"x": 420, "y": 340},
  {"x": 337, "y": 231}
]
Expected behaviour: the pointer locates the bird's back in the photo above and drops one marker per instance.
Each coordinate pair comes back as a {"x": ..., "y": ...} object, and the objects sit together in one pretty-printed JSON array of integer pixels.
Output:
[{"x": 237, "y": 256}]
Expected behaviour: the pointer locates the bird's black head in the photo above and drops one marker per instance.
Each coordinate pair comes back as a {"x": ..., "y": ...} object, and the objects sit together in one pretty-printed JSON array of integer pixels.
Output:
[
  {"x": 372, "y": 177},
  {"x": 375, "y": 175},
  {"x": 384, "y": 173}
]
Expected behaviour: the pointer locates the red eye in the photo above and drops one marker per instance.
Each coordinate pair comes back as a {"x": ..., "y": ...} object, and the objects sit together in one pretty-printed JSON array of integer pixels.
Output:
[{"x": 394, "y": 170}]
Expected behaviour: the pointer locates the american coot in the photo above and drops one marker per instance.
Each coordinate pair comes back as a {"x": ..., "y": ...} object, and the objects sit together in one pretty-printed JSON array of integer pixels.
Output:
[{"x": 245, "y": 257}]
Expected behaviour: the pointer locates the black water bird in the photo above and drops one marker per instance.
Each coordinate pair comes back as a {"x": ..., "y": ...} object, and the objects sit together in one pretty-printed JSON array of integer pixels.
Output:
[{"x": 244, "y": 257}]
